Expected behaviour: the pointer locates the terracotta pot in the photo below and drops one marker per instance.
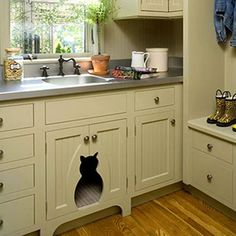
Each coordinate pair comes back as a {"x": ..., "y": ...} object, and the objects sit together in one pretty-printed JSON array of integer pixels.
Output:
[{"x": 100, "y": 64}]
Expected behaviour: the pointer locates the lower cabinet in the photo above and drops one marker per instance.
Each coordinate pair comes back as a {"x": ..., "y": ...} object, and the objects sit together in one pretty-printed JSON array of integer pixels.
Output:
[
  {"x": 68, "y": 190},
  {"x": 16, "y": 215},
  {"x": 211, "y": 161},
  {"x": 154, "y": 149},
  {"x": 76, "y": 155}
]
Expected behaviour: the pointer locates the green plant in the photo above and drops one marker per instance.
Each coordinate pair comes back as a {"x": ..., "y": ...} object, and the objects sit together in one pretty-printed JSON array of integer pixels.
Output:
[{"x": 97, "y": 14}]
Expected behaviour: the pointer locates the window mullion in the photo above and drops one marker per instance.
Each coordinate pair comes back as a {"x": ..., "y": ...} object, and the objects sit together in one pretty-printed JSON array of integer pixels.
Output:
[{"x": 4, "y": 27}]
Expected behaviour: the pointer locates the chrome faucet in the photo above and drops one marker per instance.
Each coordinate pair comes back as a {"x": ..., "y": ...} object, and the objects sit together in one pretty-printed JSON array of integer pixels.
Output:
[{"x": 76, "y": 66}]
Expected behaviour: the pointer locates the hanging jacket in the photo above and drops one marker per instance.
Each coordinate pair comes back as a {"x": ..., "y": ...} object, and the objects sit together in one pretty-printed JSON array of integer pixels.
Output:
[
  {"x": 233, "y": 38},
  {"x": 219, "y": 12},
  {"x": 229, "y": 15}
]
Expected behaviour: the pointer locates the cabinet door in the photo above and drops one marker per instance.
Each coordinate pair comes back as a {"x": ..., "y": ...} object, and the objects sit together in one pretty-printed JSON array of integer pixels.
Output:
[
  {"x": 109, "y": 140},
  {"x": 175, "y": 5},
  {"x": 154, "y": 5},
  {"x": 154, "y": 149},
  {"x": 64, "y": 148}
]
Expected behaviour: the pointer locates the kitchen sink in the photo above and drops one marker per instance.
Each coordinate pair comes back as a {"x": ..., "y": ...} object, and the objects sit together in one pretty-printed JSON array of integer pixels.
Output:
[{"x": 73, "y": 80}]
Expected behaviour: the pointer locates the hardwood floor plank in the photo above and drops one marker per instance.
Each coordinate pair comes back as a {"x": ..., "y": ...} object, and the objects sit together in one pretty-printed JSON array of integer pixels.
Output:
[
  {"x": 176, "y": 214},
  {"x": 150, "y": 227},
  {"x": 171, "y": 224},
  {"x": 207, "y": 216},
  {"x": 199, "y": 229},
  {"x": 210, "y": 211}
]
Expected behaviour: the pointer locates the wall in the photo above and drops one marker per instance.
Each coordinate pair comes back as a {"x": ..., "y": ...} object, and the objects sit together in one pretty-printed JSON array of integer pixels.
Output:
[
  {"x": 123, "y": 37},
  {"x": 230, "y": 68}
]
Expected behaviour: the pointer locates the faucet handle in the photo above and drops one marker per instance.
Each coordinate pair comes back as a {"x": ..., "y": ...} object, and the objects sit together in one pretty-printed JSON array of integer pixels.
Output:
[
  {"x": 76, "y": 69},
  {"x": 44, "y": 69}
]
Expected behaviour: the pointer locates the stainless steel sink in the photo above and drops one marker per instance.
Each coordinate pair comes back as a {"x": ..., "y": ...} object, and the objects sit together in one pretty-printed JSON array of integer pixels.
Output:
[{"x": 73, "y": 80}]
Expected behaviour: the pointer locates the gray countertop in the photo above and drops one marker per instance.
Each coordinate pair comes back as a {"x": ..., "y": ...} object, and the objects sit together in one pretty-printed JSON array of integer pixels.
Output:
[{"x": 36, "y": 87}]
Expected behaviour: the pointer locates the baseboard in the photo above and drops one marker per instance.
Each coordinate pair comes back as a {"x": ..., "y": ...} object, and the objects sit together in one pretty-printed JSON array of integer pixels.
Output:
[{"x": 135, "y": 201}]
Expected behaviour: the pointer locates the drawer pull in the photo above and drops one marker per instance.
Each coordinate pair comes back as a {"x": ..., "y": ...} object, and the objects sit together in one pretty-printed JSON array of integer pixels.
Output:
[
  {"x": 157, "y": 100},
  {"x": 209, "y": 147},
  {"x": 1, "y": 153},
  {"x": 209, "y": 178},
  {"x": 172, "y": 122},
  {"x": 1, "y": 121},
  {"x": 94, "y": 137},
  {"x": 1, "y": 185},
  {"x": 86, "y": 139},
  {"x": 1, "y": 222}
]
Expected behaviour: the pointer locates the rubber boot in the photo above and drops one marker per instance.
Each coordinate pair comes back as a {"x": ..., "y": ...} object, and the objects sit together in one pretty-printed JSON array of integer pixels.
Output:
[
  {"x": 220, "y": 106},
  {"x": 229, "y": 118}
]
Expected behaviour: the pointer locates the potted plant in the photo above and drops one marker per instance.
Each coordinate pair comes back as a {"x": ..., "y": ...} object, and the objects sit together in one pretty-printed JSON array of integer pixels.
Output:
[{"x": 97, "y": 14}]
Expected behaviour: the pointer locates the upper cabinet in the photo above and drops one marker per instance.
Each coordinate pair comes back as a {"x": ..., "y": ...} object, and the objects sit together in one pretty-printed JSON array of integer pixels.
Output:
[{"x": 149, "y": 8}]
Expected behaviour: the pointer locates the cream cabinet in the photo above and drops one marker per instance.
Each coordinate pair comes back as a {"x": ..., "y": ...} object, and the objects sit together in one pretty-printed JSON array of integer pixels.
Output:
[
  {"x": 157, "y": 138},
  {"x": 64, "y": 148},
  {"x": 20, "y": 202},
  {"x": 136, "y": 133},
  {"x": 149, "y": 8},
  {"x": 212, "y": 161},
  {"x": 154, "y": 149}
]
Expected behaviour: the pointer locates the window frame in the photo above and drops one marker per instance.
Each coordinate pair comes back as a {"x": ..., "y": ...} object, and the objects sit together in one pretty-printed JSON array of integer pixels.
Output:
[{"x": 5, "y": 37}]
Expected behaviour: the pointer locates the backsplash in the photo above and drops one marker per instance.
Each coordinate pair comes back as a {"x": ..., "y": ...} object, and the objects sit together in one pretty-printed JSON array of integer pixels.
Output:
[{"x": 33, "y": 70}]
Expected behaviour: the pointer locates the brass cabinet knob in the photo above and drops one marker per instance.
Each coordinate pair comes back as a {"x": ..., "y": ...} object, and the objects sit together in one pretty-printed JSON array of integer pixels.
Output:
[
  {"x": 1, "y": 222},
  {"x": 209, "y": 146},
  {"x": 1, "y": 120},
  {"x": 1, "y": 185},
  {"x": 172, "y": 122},
  {"x": 209, "y": 177},
  {"x": 86, "y": 139},
  {"x": 157, "y": 100},
  {"x": 94, "y": 137}
]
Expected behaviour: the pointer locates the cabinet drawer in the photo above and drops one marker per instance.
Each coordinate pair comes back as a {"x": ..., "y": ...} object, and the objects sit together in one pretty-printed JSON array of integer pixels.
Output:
[
  {"x": 16, "y": 148},
  {"x": 212, "y": 176},
  {"x": 87, "y": 107},
  {"x": 213, "y": 146},
  {"x": 16, "y": 117},
  {"x": 16, "y": 215},
  {"x": 18, "y": 179},
  {"x": 154, "y": 98}
]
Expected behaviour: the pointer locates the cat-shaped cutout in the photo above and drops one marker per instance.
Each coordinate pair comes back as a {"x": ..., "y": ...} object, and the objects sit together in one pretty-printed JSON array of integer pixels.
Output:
[{"x": 89, "y": 187}]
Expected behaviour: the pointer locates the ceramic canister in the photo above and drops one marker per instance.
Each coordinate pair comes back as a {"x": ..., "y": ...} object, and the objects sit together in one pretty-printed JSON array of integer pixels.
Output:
[{"x": 158, "y": 58}]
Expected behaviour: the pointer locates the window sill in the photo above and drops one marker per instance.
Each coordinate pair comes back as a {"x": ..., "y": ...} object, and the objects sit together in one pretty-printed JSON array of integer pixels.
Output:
[{"x": 52, "y": 60}]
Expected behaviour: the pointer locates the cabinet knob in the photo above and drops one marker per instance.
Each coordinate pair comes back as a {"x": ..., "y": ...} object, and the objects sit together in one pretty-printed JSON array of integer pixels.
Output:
[
  {"x": 1, "y": 121},
  {"x": 157, "y": 100},
  {"x": 86, "y": 139},
  {"x": 209, "y": 177},
  {"x": 94, "y": 137},
  {"x": 172, "y": 122},
  {"x": 209, "y": 146},
  {"x": 1, "y": 222},
  {"x": 1, "y": 185},
  {"x": 1, "y": 153}
]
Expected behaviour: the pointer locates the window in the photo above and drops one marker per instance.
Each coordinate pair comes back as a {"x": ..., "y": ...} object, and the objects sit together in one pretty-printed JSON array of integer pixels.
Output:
[{"x": 49, "y": 26}]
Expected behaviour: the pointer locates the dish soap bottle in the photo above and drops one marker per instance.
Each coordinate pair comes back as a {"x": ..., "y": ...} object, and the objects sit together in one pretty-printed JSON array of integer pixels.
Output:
[{"x": 13, "y": 64}]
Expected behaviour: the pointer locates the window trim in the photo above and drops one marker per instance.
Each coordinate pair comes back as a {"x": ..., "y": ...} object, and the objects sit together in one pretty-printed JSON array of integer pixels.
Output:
[{"x": 5, "y": 38}]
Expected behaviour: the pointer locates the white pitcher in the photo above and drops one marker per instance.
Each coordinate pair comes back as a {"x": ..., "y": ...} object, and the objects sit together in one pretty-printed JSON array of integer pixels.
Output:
[{"x": 139, "y": 59}]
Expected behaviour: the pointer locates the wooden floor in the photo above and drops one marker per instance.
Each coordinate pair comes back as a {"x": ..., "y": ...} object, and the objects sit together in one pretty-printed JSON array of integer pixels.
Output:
[{"x": 177, "y": 214}]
